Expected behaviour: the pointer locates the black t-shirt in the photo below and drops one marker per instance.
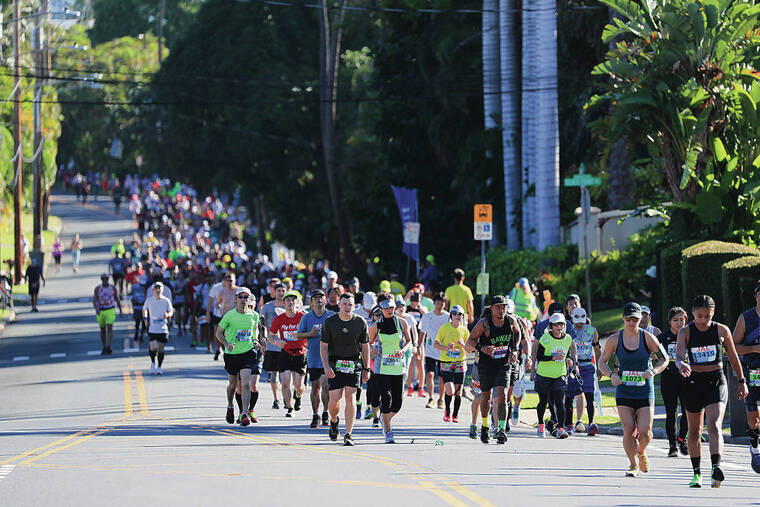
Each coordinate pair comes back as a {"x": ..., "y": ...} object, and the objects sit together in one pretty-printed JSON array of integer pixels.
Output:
[
  {"x": 499, "y": 336},
  {"x": 33, "y": 274},
  {"x": 266, "y": 298},
  {"x": 333, "y": 308},
  {"x": 344, "y": 338}
]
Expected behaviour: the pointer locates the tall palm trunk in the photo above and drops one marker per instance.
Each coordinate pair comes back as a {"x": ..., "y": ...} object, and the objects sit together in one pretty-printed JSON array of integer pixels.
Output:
[
  {"x": 491, "y": 73},
  {"x": 528, "y": 124},
  {"x": 509, "y": 41}
]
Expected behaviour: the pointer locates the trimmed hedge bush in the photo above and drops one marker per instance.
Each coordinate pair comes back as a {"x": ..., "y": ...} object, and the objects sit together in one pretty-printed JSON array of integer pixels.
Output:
[
  {"x": 701, "y": 271},
  {"x": 738, "y": 280},
  {"x": 669, "y": 277}
]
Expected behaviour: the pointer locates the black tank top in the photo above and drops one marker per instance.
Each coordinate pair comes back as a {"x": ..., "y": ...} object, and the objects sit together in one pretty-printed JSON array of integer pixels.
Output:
[
  {"x": 669, "y": 340},
  {"x": 704, "y": 346},
  {"x": 500, "y": 337}
]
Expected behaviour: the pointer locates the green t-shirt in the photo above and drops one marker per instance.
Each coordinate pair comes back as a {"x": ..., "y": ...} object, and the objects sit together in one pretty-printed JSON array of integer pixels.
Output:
[
  {"x": 459, "y": 295},
  {"x": 551, "y": 345},
  {"x": 240, "y": 329}
]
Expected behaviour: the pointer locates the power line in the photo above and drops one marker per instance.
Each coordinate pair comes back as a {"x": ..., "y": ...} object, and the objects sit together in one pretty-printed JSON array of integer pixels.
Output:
[{"x": 393, "y": 10}]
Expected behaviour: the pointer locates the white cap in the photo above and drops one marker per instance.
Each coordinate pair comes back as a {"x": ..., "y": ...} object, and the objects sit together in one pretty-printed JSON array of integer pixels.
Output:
[
  {"x": 332, "y": 275},
  {"x": 652, "y": 271},
  {"x": 556, "y": 318},
  {"x": 370, "y": 300},
  {"x": 579, "y": 316},
  {"x": 645, "y": 309},
  {"x": 243, "y": 290}
]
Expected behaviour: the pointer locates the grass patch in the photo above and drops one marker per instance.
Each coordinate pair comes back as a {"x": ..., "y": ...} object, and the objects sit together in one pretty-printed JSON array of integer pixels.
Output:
[
  {"x": 530, "y": 400},
  {"x": 27, "y": 227},
  {"x": 607, "y": 321}
]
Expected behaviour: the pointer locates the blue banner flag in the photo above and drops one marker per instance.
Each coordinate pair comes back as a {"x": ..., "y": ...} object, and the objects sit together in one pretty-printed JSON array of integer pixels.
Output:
[{"x": 406, "y": 198}]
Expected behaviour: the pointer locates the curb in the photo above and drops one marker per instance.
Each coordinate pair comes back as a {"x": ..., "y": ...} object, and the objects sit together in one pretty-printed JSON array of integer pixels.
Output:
[{"x": 659, "y": 433}]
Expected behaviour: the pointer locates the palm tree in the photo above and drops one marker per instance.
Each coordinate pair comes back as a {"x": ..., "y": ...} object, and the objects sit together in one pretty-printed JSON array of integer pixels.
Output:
[
  {"x": 491, "y": 97},
  {"x": 528, "y": 120},
  {"x": 509, "y": 50}
]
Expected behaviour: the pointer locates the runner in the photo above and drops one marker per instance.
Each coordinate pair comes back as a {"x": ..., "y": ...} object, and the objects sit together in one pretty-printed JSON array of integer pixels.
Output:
[
  {"x": 633, "y": 349},
  {"x": 214, "y": 314},
  {"x": 673, "y": 386},
  {"x": 32, "y": 276},
  {"x": 460, "y": 294},
  {"x": 255, "y": 370},
  {"x": 310, "y": 329},
  {"x": 76, "y": 252},
  {"x": 646, "y": 321},
  {"x": 411, "y": 353},
  {"x": 157, "y": 310},
  {"x": 586, "y": 341},
  {"x": 333, "y": 294},
  {"x": 225, "y": 300},
  {"x": 430, "y": 323},
  {"x": 201, "y": 304},
  {"x": 519, "y": 367},
  {"x": 139, "y": 295},
  {"x": 707, "y": 393},
  {"x": 747, "y": 339},
  {"x": 450, "y": 340},
  {"x": 104, "y": 298},
  {"x": 496, "y": 338},
  {"x": 553, "y": 354},
  {"x": 369, "y": 302},
  {"x": 237, "y": 332},
  {"x": 117, "y": 267},
  {"x": 389, "y": 340},
  {"x": 272, "y": 355},
  {"x": 57, "y": 253},
  {"x": 292, "y": 361},
  {"x": 344, "y": 350}
]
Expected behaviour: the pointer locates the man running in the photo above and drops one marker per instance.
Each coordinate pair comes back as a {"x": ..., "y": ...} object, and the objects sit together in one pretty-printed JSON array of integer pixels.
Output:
[
  {"x": 272, "y": 355},
  {"x": 586, "y": 341},
  {"x": 344, "y": 350},
  {"x": 430, "y": 323},
  {"x": 460, "y": 294},
  {"x": 157, "y": 310},
  {"x": 747, "y": 339},
  {"x": 117, "y": 266},
  {"x": 33, "y": 276},
  {"x": 139, "y": 295},
  {"x": 104, "y": 298},
  {"x": 310, "y": 329},
  {"x": 237, "y": 332},
  {"x": 293, "y": 356},
  {"x": 213, "y": 314}
]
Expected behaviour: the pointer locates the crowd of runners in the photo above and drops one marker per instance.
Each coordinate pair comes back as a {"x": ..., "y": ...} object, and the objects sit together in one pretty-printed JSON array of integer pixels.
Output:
[{"x": 363, "y": 352}]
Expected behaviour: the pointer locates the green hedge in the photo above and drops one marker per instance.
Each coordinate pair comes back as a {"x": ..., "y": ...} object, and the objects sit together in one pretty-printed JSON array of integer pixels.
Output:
[
  {"x": 738, "y": 280},
  {"x": 701, "y": 270},
  {"x": 669, "y": 277}
]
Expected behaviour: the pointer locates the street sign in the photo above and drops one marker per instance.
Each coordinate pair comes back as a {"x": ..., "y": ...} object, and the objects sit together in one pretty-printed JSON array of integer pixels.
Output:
[
  {"x": 483, "y": 231},
  {"x": 483, "y": 213},
  {"x": 412, "y": 233},
  {"x": 583, "y": 180},
  {"x": 482, "y": 284}
]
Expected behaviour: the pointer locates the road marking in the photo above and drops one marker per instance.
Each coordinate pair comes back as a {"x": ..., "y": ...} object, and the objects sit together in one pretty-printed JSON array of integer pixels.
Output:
[
  {"x": 131, "y": 350},
  {"x": 21, "y": 358},
  {"x": 84, "y": 300},
  {"x": 443, "y": 495},
  {"x": 77, "y": 441},
  {"x": 5, "y": 470},
  {"x": 93, "y": 352},
  {"x": 142, "y": 396},
  {"x": 127, "y": 394},
  {"x": 52, "y": 444},
  {"x": 57, "y": 355},
  {"x": 468, "y": 493},
  {"x": 169, "y": 348}
]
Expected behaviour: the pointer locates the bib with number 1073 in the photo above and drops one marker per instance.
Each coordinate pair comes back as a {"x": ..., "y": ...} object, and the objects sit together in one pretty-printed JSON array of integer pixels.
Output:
[{"x": 633, "y": 378}]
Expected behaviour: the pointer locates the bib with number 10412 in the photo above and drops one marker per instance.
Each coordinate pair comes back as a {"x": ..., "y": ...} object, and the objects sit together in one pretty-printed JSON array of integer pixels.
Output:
[
  {"x": 345, "y": 366},
  {"x": 633, "y": 378},
  {"x": 389, "y": 360},
  {"x": 454, "y": 353},
  {"x": 704, "y": 354},
  {"x": 584, "y": 351},
  {"x": 500, "y": 352},
  {"x": 243, "y": 335},
  {"x": 754, "y": 378}
]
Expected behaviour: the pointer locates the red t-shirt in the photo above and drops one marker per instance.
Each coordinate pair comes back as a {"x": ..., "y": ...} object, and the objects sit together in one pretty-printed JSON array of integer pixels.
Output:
[{"x": 285, "y": 327}]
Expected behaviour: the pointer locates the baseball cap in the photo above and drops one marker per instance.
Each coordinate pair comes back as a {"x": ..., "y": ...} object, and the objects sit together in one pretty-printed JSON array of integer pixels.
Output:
[
  {"x": 280, "y": 285},
  {"x": 632, "y": 310},
  {"x": 419, "y": 286},
  {"x": 370, "y": 300},
  {"x": 557, "y": 318},
  {"x": 385, "y": 286},
  {"x": 387, "y": 303},
  {"x": 579, "y": 316},
  {"x": 243, "y": 290},
  {"x": 332, "y": 275},
  {"x": 645, "y": 309},
  {"x": 291, "y": 294},
  {"x": 352, "y": 281},
  {"x": 498, "y": 300},
  {"x": 317, "y": 292},
  {"x": 510, "y": 306},
  {"x": 456, "y": 309},
  {"x": 158, "y": 284},
  {"x": 523, "y": 282},
  {"x": 430, "y": 258},
  {"x": 400, "y": 301}
]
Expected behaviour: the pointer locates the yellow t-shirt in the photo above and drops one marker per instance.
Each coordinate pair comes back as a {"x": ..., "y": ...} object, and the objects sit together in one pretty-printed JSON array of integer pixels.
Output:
[
  {"x": 448, "y": 334},
  {"x": 397, "y": 288},
  {"x": 459, "y": 295}
]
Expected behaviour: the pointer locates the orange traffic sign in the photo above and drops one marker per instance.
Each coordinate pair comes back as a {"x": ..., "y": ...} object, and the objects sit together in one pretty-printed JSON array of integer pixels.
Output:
[{"x": 482, "y": 213}]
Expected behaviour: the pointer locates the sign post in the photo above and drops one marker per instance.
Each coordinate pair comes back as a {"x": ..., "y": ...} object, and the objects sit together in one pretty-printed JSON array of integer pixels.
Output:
[
  {"x": 584, "y": 180},
  {"x": 483, "y": 232}
]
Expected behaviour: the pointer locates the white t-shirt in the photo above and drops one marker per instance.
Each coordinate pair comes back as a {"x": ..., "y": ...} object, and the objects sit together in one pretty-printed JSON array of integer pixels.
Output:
[
  {"x": 157, "y": 309},
  {"x": 212, "y": 294},
  {"x": 430, "y": 323}
]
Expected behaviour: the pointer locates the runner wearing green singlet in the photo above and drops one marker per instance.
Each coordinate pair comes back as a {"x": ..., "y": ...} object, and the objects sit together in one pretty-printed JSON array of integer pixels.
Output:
[
  {"x": 238, "y": 332},
  {"x": 451, "y": 340}
]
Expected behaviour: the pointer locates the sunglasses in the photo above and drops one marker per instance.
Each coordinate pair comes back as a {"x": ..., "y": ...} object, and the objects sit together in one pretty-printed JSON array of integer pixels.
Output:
[
  {"x": 631, "y": 319},
  {"x": 456, "y": 314},
  {"x": 558, "y": 324},
  {"x": 242, "y": 296}
]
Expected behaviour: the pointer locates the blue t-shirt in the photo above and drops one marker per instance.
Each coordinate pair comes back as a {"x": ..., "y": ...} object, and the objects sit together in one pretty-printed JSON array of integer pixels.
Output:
[{"x": 313, "y": 359}]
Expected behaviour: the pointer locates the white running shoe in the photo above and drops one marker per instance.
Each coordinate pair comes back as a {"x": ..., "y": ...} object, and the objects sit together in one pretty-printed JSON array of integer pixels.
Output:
[
  {"x": 389, "y": 438},
  {"x": 158, "y": 371},
  {"x": 153, "y": 368}
]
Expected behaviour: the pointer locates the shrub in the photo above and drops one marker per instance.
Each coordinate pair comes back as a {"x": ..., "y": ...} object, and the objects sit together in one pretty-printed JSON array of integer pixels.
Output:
[
  {"x": 701, "y": 270},
  {"x": 669, "y": 276},
  {"x": 738, "y": 280}
]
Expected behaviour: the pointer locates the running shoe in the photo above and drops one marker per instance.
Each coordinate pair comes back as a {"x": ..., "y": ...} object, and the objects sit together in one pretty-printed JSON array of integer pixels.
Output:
[
  {"x": 501, "y": 437},
  {"x": 152, "y": 368},
  {"x": 230, "y": 415},
  {"x": 551, "y": 425},
  {"x": 314, "y": 421},
  {"x": 430, "y": 403},
  {"x": 643, "y": 462},
  {"x": 348, "y": 440},
  {"x": 421, "y": 393},
  {"x": 334, "y": 430},
  {"x": 515, "y": 416},
  {"x": 239, "y": 418},
  {"x": 633, "y": 471},
  {"x": 359, "y": 410},
  {"x": 580, "y": 427},
  {"x": 276, "y": 404},
  {"x": 636, "y": 432},
  {"x": 570, "y": 430},
  {"x": 325, "y": 419},
  {"x": 455, "y": 419},
  {"x": 193, "y": 344},
  {"x": 484, "y": 436},
  {"x": 683, "y": 447},
  {"x": 159, "y": 371},
  {"x": 755, "y": 461},
  {"x": 440, "y": 404},
  {"x": 389, "y": 438},
  {"x": 696, "y": 481},
  {"x": 244, "y": 421},
  {"x": 673, "y": 451},
  {"x": 446, "y": 416},
  {"x": 297, "y": 404},
  {"x": 375, "y": 422},
  {"x": 593, "y": 429},
  {"x": 717, "y": 476},
  {"x": 703, "y": 438},
  {"x": 507, "y": 427},
  {"x": 368, "y": 413},
  {"x": 252, "y": 416},
  {"x": 541, "y": 431},
  {"x": 473, "y": 431},
  {"x": 409, "y": 391},
  {"x": 562, "y": 434},
  {"x": 289, "y": 413},
  {"x": 216, "y": 355}
]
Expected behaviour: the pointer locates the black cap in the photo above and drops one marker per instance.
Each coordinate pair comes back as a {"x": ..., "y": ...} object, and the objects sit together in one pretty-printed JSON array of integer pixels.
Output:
[
  {"x": 317, "y": 292},
  {"x": 352, "y": 281},
  {"x": 280, "y": 286},
  {"x": 555, "y": 308},
  {"x": 498, "y": 300},
  {"x": 632, "y": 310}
]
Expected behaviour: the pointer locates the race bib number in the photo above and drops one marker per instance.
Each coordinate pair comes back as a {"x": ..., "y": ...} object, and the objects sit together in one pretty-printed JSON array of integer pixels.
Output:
[
  {"x": 754, "y": 378},
  {"x": 157, "y": 321},
  {"x": 704, "y": 354},
  {"x": 672, "y": 351},
  {"x": 561, "y": 352},
  {"x": 345, "y": 366},
  {"x": 392, "y": 361},
  {"x": 289, "y": 336},
  {"x": 454, "y": 353},
  {"x": 243, "y": 335},
  {"x": 500, "y": 352},
  {"x": 584, "y": 351},
  {"x": 633, "y": 378}
]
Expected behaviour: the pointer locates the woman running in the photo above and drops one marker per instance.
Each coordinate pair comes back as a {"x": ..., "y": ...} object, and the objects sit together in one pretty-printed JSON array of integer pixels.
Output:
[
  {"x": 57, "y": 253},
  {"x": 707, "y": 393},
  {"x": 673, "y": 386},
  {"x": 76, "y": 250},
  {"x": 450, "y": 340},
  {"x": 389, "y": 340},
  {"x": 633, "y": 349}
]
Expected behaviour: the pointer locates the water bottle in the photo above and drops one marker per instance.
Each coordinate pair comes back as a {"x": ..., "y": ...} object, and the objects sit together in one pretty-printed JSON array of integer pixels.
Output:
[{"x": 439, "y": 443}]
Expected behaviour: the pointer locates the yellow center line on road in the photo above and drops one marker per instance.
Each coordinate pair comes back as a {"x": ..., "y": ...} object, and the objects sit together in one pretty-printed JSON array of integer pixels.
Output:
[
  {"x": 142, "y": 396},
  {"x": 66, "y": 446},
  {"x": 440, "y": 493},
  {"x": 467, "y": 492},
  {"x": 127, "y": 394}
]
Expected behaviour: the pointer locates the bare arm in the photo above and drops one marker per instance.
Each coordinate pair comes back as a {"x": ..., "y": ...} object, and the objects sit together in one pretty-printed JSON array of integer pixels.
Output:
[
  {"x": 472, "y": 341},
  {"x": 738, "y": 338},
  {"x": 656, "y": 351},
  {"x": 323, "y": 353},
  {"x": 607, "y": 353},
  {"x": 681, "y": 343},
  {"x": 733, "y": 358}
]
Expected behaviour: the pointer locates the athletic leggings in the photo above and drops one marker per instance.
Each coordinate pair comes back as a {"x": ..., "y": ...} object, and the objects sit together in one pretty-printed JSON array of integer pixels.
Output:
[
  {"x": 569, "y": 408},
  {"x": 390, "y": 389},
  {"x": 555, "y": 398},
  {"x": 672, "y": 389},
  {"x": 373, "y": 395}
]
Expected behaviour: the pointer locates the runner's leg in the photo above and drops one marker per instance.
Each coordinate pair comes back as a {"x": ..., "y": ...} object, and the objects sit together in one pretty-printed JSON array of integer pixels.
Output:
[
  {"x": 286, "y": 393},
  {"x": 350, "y": 412},
  {"x": 628, "y": 420}
]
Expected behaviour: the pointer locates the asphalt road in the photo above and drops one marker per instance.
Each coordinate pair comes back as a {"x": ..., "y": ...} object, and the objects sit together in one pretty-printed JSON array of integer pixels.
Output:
[{"x": 81, "y": 428}]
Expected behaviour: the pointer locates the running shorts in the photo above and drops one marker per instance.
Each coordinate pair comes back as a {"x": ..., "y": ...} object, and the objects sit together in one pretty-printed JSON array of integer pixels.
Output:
[
  {"x": 296, "y": 364},
  {"x": 584, "y": 383},
  {"x": 703, "y": 389},
  {"x": 753, "y": 398},
  {"x": 271, "y": 360},
  {"x": 137, "y": 314},
  {"x": 215, "y": 320},
  {"x": 432, "y": 365},
  {"x": 342, "y": 380},
  {"x": 107, "y": 317},
  {"x": 315, "y": 374},
  {"x": 493, "y": 376},
  {"x": 159, "y": 337},
  {"x": 34, "y": 289},
  {"x": 234, "y": 363},
  {"x": 635, "y": 403},
  {"x": 549, "y": 384}
]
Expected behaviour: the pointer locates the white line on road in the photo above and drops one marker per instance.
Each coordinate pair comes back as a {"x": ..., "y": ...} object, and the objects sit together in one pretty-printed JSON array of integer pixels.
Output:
[
  {"x": 21, "y": 358},
  {"x": 5, "y": 470},
  {"x": 57, "y": 355},
  {"x": 169, "y": 348},
  {"x": 132, "y": 350},
  {"x": 93, "y": 352}
]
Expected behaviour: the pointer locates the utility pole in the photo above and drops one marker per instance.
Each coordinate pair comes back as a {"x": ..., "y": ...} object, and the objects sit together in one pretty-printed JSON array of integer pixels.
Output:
[
  {"x": 46, "y": 65},
  {"x": 161, "y": 8},
  {"x": 17, "y": 141},
  {"x": 37, "y": 150}
]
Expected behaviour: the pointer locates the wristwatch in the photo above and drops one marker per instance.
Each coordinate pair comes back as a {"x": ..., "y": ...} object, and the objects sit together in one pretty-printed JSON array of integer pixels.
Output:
[
  {"x": 478, "y": 347},
  {"x": 742, "y": 380},
  {"x": 365, "y": 369}
]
